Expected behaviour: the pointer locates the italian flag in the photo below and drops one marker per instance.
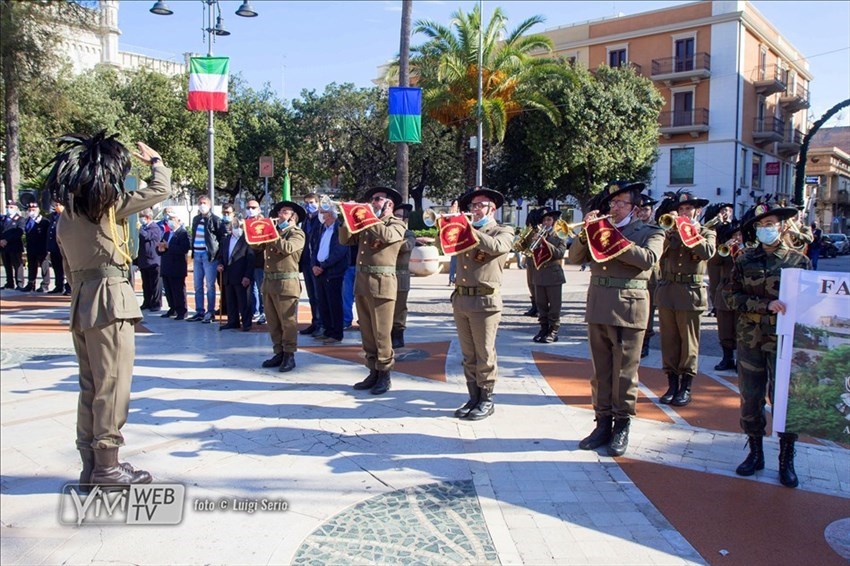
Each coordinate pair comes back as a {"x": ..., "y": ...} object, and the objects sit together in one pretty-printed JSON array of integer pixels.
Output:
[{"x": 208, "y": 83}]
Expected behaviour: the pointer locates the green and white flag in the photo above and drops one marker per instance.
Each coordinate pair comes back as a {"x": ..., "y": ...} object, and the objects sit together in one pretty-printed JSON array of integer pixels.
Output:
[{"x": 208, "y": 83}]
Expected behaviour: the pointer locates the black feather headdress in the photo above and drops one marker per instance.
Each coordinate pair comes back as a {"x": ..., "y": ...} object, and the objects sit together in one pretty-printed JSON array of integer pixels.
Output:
[{"x": 87, "y": 175}]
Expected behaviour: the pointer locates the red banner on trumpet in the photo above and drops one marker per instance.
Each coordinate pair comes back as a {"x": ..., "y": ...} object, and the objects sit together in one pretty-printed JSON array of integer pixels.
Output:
[
  {"x": 688, "y": 232},
  {"x": 358, "y": 216},
  {"x": 605, "y": 241},
  {"x": 456, "y": 234},
  {"x": 260, "y": 231}
]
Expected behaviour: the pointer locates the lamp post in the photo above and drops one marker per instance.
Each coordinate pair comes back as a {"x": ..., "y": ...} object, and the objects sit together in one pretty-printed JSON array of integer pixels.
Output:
[{"x": 245, "y": 11}]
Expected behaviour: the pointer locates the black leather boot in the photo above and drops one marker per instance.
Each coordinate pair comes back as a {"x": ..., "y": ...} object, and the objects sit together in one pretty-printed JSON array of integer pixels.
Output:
[
  {"x": 474, "y": 394},
  {"x": 108, "y": 473},
  {"x": 383, "y": 384},
  {"x": 369, "y": 382},
  {"x": 787, "y": 475},
  {"x": 274, "y": 361},
  {"x": 728, "y": 361},
  {"x": 683, "y": 397},
  {"x": 532, "y": 311},
  {"x": 600, "y": 435},
  {"x": 397, "y": 337},
  {"x": 551, "y": 336},
  {"x": 288, "y": 363},
  {"x": 485, "y": 406},
  {"x": 644, "y": 350},
  {"x": 544, "y": 330},
  {"x": 754, "y": 460},
  {"x": 619, "y": 437},
  {"x": 672, "y": 389}
]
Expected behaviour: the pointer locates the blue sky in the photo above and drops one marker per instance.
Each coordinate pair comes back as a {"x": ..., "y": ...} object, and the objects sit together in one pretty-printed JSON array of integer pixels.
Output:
[{"x": 295, "y": 45}]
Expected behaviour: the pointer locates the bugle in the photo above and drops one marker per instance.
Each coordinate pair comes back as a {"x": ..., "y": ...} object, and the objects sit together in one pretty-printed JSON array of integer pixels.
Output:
[
  {"x": 325, "y": 203},
  {"x": 539, "y": 236},
  {"x": 729, "y": 247},
  {"x": 666, "y": 221},
  {"x": 712, "y": 222},
  {"x": 522, "y": 240},
  {"x": 430, "y": 216}
]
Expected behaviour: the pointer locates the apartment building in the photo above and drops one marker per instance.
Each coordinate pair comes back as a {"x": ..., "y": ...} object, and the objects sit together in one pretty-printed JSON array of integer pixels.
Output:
[
  {"x": 736, "y": 94},
  {"x": 828, "y": 179}
]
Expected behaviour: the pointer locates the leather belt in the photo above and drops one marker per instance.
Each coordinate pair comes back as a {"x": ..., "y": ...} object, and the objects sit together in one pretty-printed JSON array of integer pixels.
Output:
[
  {"x": 682, "y": 277},
  {"x": 278, "y": 275},
  {"x": 474, "y": 291},
  {"x": 99, "y": 273},
  {"x": 380, "y": 269},
  {"x": 618, "y": 283}
]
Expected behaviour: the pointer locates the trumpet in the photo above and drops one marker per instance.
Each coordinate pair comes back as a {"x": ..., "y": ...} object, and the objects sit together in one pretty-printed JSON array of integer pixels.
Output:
[
  {"x": 521, "y": 241},
  {"x": 729, "y": 247},
  {"x": 325, "y": 203},
  {"x": 564, "y": 230},
  {"x": 712, "y": 222},
  {"x": 666, "y": 221},
  {"x": 430, "y": 216},
  {"x": 539, "y": 235}
]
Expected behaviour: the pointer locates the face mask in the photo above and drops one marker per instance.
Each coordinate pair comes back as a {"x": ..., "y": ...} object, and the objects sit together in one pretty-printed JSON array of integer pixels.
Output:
[
  {"x": 172, "y": 224},
  {"x": 479, "y": 223},
  {"x": 12, "y": 211},
  {"x": 251, "y": 212},
  {"x": 767, "y": 235},
  {"x": 203, "y": 209},
  {"x": 33, "y": 214},
  {"x": 237, "y": 232},
  {"x": 311, "y": 207},
  {"x": 144, "y": 221},
  {"x": 283, "y": 224},
  {"x": 226, "y": 218}
]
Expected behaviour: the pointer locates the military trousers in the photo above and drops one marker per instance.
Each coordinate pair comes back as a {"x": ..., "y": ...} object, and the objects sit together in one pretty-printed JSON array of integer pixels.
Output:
[
  {"x": 679, "y": 341},
  {"x": 651, "y": 320},
  {"x": 400, "y": 311},
  {"x": 714, "y": 276},
  {"x": 726, "y": 328},
  {"x": 756, "y": 376},
  {"x": 615, "y": 351},
  {"x": 282, "y": 319},
  {"x": 529, "y": 276},
  {"x": 548, "y": 300},
  {"x": 375, "y": 317},
  {"x": 476, "y": 332},
  {"x": 106, "y": 356}
]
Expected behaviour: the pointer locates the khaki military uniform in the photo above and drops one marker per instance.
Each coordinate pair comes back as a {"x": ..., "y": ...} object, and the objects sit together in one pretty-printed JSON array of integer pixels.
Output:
[
  {"x": 282, "y": 288},
  {"x": 617, "y": 314},
  {"x": 376, "y": 286},
  {"x": 402, "y": 273},
  {"x": 103, "y": 312},
  {"x": 753, "y": 285},
  {"x": 477, "y": 302},
  {"x": 681, "y": 297},
  {"x": 549, "y": 284}
]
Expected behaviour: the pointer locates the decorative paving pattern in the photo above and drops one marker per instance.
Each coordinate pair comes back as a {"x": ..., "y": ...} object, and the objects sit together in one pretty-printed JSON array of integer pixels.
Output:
[
  {"x": 12, "y": 357},
  {"x": 437, "y": 523}
]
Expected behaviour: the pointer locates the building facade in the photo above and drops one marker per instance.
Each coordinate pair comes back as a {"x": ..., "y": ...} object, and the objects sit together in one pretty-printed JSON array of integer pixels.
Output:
[
  {"x": 828, "y": 179},
  {"x": 736, "y": 94}
]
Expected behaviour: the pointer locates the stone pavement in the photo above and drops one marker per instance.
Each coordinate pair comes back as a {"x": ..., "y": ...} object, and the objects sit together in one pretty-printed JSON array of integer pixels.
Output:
[{"x": 396, "y": 479}]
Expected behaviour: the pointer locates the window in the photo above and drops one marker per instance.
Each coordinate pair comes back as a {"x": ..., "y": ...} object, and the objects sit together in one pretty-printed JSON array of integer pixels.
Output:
[
  {"x": 617, "y": 58},
  {"x": 742, "y": 180},
  {"x": 683, "y": 108},
  {"x": 682, "y": 166},
  {"x": 756, "y": 172},
  {"x": 762, "y": 63},
  {"x": 761, "y": 126},
  {"x": 684, "y": 54}
]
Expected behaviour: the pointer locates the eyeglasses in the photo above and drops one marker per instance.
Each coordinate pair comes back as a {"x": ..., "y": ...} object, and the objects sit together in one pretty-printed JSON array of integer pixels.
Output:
[
  {"x": 477, "y": 205},
  {"x": 618, "y": 203},
  {"x": 376, "y": 198}
]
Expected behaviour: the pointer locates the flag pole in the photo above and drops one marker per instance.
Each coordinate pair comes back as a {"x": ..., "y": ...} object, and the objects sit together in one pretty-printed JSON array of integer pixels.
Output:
[
  {"x": 210, "y": 125},
  {"x": 479, "y": 174}
]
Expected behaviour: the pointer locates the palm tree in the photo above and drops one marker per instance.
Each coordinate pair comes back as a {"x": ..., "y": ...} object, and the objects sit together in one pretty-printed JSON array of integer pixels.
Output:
[{"x": 446, "y": 67}]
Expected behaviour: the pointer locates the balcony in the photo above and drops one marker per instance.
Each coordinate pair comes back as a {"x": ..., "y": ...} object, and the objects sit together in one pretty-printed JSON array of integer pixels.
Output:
[
  {"x": 794, "y": 99},
  {"x": 675, "y": 69},
  {"x": 768, "y": 130},
  {"x": 774, "y": 80},
  {"x": 693, "y": 122},
  {"x": 791, "y": 141}
]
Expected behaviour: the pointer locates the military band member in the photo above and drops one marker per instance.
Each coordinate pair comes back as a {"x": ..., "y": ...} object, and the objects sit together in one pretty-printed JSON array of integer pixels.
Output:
[
  {"x": 281, "y": 284},
  {"x": 617, "y": 311},
  {"x": 549, "y": 283},
  {"x": 753, "y": 291},
  {"x": 644, "y": 214},
  {"x": 477, "y": 301},
  {"x": 722, "y": 210},
  {"x": 730, "y": 235},
  {"x": 535, "y": 218},
  {"x": 681, "y": 298},
  {"x": 376, "y": 286},
  {"x": 87, "y": 177},
  {"x": 402, "y": 273}
]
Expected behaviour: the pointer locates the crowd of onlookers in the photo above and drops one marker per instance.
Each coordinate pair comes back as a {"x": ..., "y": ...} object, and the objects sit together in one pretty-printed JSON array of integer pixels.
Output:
[{"x": 34, "y": 232}]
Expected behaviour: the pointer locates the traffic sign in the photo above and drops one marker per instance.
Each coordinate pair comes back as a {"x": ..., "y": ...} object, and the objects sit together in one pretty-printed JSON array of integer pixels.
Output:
[
  {"x": 813, "y": 179},
  {"x": 267, "y": 166}
]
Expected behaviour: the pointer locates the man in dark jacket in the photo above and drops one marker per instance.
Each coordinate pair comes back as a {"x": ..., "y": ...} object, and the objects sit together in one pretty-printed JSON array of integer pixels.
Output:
[
  {"x": 12, "y": 245},
  {"x": 236, "y": 264},
  {"x": 312, "y": 227},
  {"x": 35, "y": 230},
  {"x": 148, "y": 261},
  {"x": 55, "y": 253},
  {"x": 173, "y": 249},
  {"x": 208, "y": 231},
  {"x": 329, "y": 262}
]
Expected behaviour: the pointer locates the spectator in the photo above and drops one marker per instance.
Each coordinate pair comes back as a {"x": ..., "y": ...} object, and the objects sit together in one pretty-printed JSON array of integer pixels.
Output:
[
  {"x": 148, "y": 261},
  {"x": 207, "y": 233},
  {"x": 252, "y": 210},
  {"x": 236, "y": 264},
  {"x": 55, "y": 253},
  {"x": 227, "y": 216},
  {"x": 329, "y": 264},
  {"x": 35, "y": 229},
  {"x": 311, "y": 226},
  {"x": 12, "y": 244},
  {"x": 815, "y": 246},
  {"x": 348, "y": 290},
  {"x": 173, "y": 249}
]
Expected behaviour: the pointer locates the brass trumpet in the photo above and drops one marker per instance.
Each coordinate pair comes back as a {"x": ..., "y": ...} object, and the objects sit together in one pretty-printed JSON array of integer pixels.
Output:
[
  {"x": 521, "y": 241},
  {"x": 430, "y": 216},
  {"x": 725, "y": 249},
  {"x": 325, "y": 203},
  {"x": 712, "y": 222},
  {"x": 666, "y": 221},
  {"x": 539, "y": 236}
]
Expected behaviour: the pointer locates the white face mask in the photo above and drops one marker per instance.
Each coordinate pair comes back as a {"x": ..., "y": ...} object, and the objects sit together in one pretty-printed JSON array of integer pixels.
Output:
[
  {"x": 33, "y": 214},
  {"x": 251, "y": 212},
  {"x": 236, "y": 232},
  {"x": 203, "y": 209}
]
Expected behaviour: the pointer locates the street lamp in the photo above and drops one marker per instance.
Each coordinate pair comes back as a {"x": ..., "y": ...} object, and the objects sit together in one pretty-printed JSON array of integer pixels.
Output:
[{"x": 246, "y": 11}]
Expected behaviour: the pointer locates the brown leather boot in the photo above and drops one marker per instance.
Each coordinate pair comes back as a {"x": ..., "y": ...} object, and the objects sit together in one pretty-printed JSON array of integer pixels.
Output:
[{"x": 108, "y": 472}]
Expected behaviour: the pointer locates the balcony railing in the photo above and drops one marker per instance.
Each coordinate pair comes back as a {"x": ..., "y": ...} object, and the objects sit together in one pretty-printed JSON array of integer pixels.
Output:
[
  {"x": 791, "y": 142},
  {"x": 768, "y": 130},
  {"x": 671, "y": 69},
  {"x": 693, "y": 122},
  {"x": 775, "y": 80},
  {"x": 795, "y": 99}
]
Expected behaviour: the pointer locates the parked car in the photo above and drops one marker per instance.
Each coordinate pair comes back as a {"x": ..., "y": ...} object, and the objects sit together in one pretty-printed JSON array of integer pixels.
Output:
[
  {"x": 827, "y": 249},
  {"x": 842, "y": 243}
]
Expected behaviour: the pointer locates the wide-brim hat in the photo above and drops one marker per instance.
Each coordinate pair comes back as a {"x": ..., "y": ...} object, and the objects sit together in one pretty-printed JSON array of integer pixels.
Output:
[
  {"x": 495, "y": 197},
  {"x": 406, "y": 207},
  {"x": 555, "y": 214},
  {"x": 762, "y": 210},
  {"x": 686, "y": 197},
  {"x": 646, "y": 200},
  {"x": 725, "y": 231},
  {"x": 392, "y": 194},
  {"x": 299, "y": 210},
  {"x": 615, "y": 188}
]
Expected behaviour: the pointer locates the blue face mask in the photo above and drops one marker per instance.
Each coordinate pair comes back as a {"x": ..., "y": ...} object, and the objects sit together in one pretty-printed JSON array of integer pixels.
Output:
[
  {"x": 283, "y": 224},
  {"x": 767, "y": 235},
  {"x": 311, "y": 208},
  {"x": 482, "y": 222},
  {"x": 172, "y": 225},
  {"x": 226, "y": 218}
]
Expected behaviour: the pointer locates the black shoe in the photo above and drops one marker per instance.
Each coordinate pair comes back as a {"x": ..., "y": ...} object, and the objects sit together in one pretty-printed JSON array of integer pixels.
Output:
[
  {"x": 309, "y": 330},
  {"x": 246, "y": 328},
  {"x": 644, "y": 351},
  {"x": 196, "y": 317},
  {"x": 383, "y": 384},
  {"x": 23, "y": 289},
  {"x": 109, "y": 473},
  {"x": 288, "y": 362},
  {"x": 168, "y": 314},
  {"x": 143, "y": 307},
  {"x": 672, "y": 389},
  {"x": 275, "y": 360},
  {"x": 787, "y": 475},
  {"x": 397, "y": 337},
  {"x": 619, "y": 437},
  {"x": 228, "y": 327},
  {"x": 531, "y": 312},
  {"x": 683, "y": 397},
  {"x": 485, "y": 406},
  {"x": 320, "y": 331},
  {"x": 39, "y": 290},
  {"x": 544, "y": 330},
  {"x": 369, "y": 382},
  {"x": 9, "y": 286},
  {"x": 728, "y": 361},
  {"x": 754, "y": 460},
  {"x": 474, "y": 394},
  {"x": 180, "y": 316},
  {"x": 551, "y": 336},
  {"x": 600, "y": 436},
  {"x": 67, "y": 292}
]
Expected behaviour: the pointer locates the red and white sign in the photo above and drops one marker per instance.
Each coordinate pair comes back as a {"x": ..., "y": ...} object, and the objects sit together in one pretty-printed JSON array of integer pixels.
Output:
[
  {"x": 267, "y": 166},
  {"x": 771, "y": 168}
]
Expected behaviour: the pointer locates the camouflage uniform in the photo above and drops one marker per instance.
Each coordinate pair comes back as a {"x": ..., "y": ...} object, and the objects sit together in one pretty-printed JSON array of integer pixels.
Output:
[{"x": 753, "y": 285}]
